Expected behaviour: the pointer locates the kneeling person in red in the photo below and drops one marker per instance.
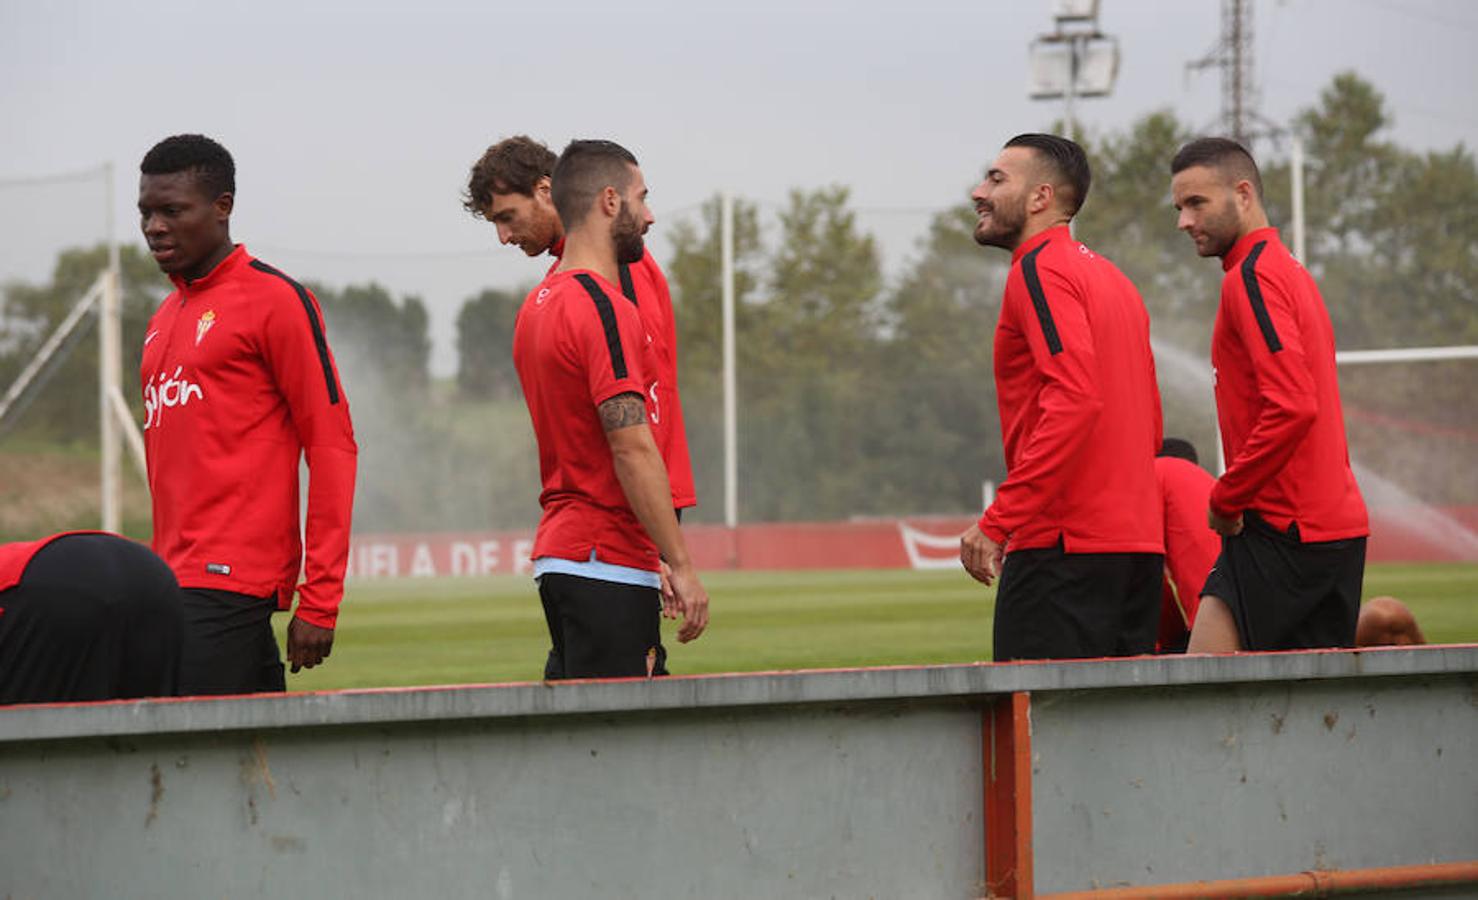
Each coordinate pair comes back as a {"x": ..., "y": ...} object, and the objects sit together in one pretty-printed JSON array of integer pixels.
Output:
[
  {"x": 583, "y": 355},
  {"x": 87, "y": 616}
]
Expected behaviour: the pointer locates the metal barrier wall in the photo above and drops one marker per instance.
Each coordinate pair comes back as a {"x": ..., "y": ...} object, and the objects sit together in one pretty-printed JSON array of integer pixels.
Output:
[{"x": 949, "y": 781}]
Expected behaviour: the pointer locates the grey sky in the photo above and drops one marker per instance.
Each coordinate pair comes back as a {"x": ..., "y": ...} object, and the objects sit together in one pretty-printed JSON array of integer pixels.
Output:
[{"x": 353, "y": 123}]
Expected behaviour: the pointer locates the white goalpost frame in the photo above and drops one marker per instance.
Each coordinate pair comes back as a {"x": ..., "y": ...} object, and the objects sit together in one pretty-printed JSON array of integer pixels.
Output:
[{"x": 115, "y": 421}]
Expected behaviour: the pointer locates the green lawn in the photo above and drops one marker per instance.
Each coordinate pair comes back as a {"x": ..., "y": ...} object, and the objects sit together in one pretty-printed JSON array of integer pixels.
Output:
[{"x": 471, "y": 630}]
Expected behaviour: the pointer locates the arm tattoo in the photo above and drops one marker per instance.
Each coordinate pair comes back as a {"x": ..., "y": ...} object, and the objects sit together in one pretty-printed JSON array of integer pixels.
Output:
[{"x": 623, "y": 410}]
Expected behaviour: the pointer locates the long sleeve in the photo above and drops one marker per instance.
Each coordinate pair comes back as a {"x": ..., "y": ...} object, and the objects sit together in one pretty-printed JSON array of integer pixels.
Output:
[
  {"x": 297, "y": 352},
  {"x": 1265, "y": 320},
  {"x": 1054, "y": 323}
]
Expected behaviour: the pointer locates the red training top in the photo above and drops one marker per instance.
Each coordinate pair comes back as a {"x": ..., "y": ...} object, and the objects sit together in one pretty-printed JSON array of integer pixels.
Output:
[
  {"x": 1277, "y": 398},
  {"x": 1080, "y": 409},
  {"x": 1191, "y": 547},
  {"x": 644, "y": 284},
  {"x": 238, "y": 385},
  {"x": 576, "y": 344}
]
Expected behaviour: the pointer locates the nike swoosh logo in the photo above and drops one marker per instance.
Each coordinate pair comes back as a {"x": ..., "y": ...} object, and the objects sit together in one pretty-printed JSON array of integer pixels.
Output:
[{"x": 149, "y": 337}]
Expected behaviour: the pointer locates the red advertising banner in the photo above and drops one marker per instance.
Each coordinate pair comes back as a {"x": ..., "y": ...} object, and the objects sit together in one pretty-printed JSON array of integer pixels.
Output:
[{"x": 1415, "y": 535}]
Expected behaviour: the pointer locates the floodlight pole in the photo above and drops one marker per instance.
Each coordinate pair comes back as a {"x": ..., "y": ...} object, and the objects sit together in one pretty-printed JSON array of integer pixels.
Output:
[
  {"x": 731, "y": 430},
  {"x": 1072, "y": 81}
]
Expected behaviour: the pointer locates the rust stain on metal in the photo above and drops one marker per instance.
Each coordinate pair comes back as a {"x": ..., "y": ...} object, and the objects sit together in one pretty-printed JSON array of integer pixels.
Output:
[{"x": 156, "y": 793}]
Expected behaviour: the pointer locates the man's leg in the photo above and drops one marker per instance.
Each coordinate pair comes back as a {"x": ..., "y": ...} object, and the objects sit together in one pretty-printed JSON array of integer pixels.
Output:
[
  {"x": 1142, "y": 596},
  {"x": 1215, "y": 630},
  {"x": 609, "y": 630},
  {"x": 549, "y": 598},
  {"x": 229, "y": 646},
  {"x": 1332, "y": 574},
  {"x": 1052, "y": 605}
]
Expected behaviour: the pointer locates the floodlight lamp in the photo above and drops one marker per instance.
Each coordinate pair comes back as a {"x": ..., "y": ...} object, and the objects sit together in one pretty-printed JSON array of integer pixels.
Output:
[
  {"x": 1049, "y": 68},
  {"x": 1098, "y": 67},
  {"x": 1075, "y": 10}
]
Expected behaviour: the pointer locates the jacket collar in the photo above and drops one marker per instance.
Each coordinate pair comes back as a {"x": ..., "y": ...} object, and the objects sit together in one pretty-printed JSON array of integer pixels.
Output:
[
  {"x": 1037, "y": 240},
  {"x": 1245, "y": 244},
  {"x": 224, "y": 270}
]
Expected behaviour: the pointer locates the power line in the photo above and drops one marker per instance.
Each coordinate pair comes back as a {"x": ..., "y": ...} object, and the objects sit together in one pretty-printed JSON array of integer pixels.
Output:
[
  {"x": 60, "y": 178},
  {"x": 1434, "y": 18}
]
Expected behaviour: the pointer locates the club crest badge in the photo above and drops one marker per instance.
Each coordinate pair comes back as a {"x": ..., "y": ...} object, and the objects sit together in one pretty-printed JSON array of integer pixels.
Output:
[{"x": 207, "y": 319}]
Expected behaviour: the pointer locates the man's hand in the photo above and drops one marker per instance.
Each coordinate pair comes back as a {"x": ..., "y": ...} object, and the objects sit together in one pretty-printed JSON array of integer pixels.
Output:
[
  {"x": 1224, "y": 526},
  {"x": 691, "y": 598},
  {"x": 980, "y": 555},
  {"x": 670, "y": 608},
  {"x": 307, "y": 645}
]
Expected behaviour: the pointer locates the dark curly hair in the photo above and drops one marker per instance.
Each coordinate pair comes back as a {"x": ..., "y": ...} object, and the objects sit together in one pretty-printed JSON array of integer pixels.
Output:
[
  {"x": 511, "y": 166},
  {"x": 208, "y": 161}
]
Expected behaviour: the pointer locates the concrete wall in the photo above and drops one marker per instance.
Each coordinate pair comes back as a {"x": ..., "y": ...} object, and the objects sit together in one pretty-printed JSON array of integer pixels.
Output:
[{"x": 864, "y": 783}]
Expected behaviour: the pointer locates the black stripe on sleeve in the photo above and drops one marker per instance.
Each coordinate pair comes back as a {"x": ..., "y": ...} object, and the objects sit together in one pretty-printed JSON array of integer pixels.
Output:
[
  {"x": 628, "y": 288},
  {"x": 607, "y": 321},
  {"x": 319, "y": 340},
  {"x": 1039, "y": 300},
  {"x": 1254, "y": 296}
]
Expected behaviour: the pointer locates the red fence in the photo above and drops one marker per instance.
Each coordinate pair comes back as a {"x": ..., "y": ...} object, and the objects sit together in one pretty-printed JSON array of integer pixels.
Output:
[{"x": 1412, "y": 535}]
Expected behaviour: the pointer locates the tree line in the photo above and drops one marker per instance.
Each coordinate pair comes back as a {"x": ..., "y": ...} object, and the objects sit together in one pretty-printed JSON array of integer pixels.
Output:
[{"x": 860, "y": 395}]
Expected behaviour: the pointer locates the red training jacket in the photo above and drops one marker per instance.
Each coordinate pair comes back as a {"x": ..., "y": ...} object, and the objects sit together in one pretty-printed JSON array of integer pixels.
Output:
[
  {"x": 644, "y": 285},
  {"x": 1191, "y": 547},
  {"x": 1277, "y": 398},
  {"x": 239, "y": 385},
  {"x": 1079, "y": 405},
  {"x": 576, "y": 344}
]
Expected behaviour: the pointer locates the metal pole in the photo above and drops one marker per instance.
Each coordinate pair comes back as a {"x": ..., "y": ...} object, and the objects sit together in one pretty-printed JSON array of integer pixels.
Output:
[
  {"x": 110, "y": 366},
  {"x": 1072, "y": 83},
  {"x": 731, "y": 451},
  {"x": 1296, "y": 164}
]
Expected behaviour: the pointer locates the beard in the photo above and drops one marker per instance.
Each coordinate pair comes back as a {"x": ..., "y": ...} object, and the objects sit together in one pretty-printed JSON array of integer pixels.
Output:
[
  {"x": 1220, "y": 230},
  {"x": 626, "y": 234},
  {"x": 1007, "y": 221}
]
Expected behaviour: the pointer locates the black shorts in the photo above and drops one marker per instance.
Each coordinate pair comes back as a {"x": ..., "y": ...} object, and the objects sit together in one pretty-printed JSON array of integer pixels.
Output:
[
  {"x": 601, "y": 629},
  {"x": 229, "y": 644},
  {"x": 94, "y": 617},
  {"x": 1057, "y": 605},
  {"x": 1285, "y": 594}
]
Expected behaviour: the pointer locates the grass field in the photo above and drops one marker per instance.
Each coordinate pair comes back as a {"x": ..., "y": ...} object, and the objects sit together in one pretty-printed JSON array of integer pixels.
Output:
[{"x": 477, "y": 630}]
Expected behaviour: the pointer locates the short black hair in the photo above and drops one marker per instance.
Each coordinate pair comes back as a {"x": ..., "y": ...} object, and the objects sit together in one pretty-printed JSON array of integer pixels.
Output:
[
  {"x": 208, "y": 161},
  {"x": 1180, "y": 448},
  {"x": 1228, "y": 157},
  {"x": 584, "y": 169},
  {"x": 511, "y": 166},
  {"x": 1068, "y": 163}
]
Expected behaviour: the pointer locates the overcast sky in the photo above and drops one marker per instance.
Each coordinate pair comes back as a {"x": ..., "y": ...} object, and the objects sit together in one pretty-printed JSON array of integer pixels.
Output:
[{"x": 353, "y": 123}]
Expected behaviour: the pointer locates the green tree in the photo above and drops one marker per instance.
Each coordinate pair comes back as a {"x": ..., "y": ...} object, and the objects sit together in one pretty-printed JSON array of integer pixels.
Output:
[
  {"x": 694, "y": 277},
  {"x": 485, "y": 345},
  {"x": 383, "y": 344},
  {"x": 941, "y": 437},
  {"x": 809, "y": 376}
]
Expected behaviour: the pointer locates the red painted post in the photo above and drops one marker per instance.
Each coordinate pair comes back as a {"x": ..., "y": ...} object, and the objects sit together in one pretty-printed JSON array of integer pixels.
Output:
[{"x": 1007, "y": 751}]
